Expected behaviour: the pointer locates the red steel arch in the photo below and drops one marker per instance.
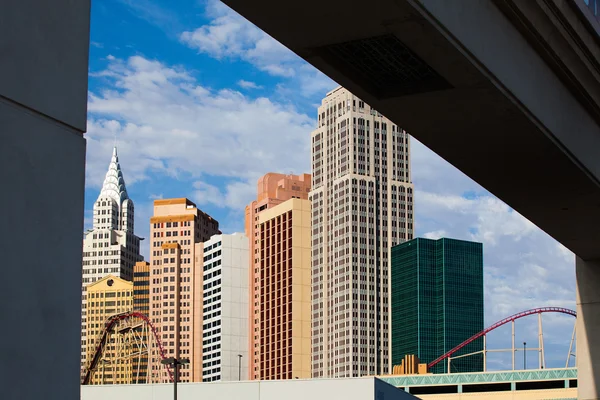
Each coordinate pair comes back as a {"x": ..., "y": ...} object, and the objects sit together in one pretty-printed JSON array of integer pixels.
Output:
[
  {"x": 499, "y": 324},
  {"x": 107, "y": 328}
]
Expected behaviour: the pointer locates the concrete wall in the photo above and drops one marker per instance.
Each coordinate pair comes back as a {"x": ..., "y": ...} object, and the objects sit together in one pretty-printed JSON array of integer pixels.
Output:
[
  {"x": 317, "y": 389},
  {"x": 588, "y": 325},
  {"x": 43, "y": 94}
]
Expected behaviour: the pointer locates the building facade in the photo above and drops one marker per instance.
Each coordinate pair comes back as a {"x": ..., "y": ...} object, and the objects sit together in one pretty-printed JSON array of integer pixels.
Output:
[
  {"x": 107, "y": 297},
  {"x": 225, "y": 312},
  {"x": 177, "y": 230},
  {"x": 362, "y": 205},
  {"x": 272, "y": 189},
  {"x": 437, "y": 301},
  {"x": 284, "y": 282},
  {"x": 141, "y": 287},
  {"x": 111, "y": 246},
  {"x": 141, "y": 304}
]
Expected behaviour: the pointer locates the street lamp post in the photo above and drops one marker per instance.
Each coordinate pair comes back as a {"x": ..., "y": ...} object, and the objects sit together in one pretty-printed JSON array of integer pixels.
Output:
[
  {"x": 524, "y": 355},
  {"x": 239, "y": 367},
  {"x": 175, "y": 363}
]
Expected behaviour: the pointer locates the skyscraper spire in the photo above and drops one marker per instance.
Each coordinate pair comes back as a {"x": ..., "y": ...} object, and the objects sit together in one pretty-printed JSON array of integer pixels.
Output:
[{"x": 114, "y": 183}]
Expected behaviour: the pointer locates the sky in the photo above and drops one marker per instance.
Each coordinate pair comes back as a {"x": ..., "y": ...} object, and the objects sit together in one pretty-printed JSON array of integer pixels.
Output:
[{"x": 201, "y": 103}]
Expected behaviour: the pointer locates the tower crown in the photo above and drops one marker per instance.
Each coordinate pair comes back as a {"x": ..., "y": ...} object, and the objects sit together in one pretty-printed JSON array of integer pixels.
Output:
[{"x": 114, "y": 183}]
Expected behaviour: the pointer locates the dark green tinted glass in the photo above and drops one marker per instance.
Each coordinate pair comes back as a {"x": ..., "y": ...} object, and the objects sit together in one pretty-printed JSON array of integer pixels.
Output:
[{"x": 437, "y": 301}]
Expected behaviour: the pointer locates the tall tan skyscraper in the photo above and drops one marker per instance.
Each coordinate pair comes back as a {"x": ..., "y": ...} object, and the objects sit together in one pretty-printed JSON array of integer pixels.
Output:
[
  {"x": 176, "y": 265},
  {"x": 282, "y": 325},
  {"x": 362, "y": 205},
  {"x": 272, "y": 189},
  {"x": 111, "y": 246}
]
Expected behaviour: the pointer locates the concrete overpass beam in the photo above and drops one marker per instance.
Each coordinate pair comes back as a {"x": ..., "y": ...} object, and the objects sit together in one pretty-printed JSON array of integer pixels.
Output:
[
  {"x": 588, "y": 329},
  {"x": 43, "y": 96}
]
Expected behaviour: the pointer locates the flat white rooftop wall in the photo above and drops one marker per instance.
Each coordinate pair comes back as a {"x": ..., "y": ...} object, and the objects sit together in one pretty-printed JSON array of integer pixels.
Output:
[{"x": 296, "y": 389}]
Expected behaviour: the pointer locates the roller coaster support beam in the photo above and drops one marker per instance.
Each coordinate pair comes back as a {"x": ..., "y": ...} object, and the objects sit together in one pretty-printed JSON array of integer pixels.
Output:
[
  {"x": 484, "y": 353},
  {"x": 541, "y": 357},
  {"x": 571, "y": 346},
  {"x": 513, "y": 344}
]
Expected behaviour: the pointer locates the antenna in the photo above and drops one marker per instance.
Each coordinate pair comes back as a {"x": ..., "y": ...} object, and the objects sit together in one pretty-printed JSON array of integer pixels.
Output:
[{"x": 115, "y": 137}]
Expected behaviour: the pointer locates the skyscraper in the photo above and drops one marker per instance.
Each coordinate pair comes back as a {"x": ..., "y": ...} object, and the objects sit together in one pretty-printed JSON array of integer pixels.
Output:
[
  {"x": 177, "y": 231},
  {"x": 437, "y": 301},
  {"x": 282, "y": 350},
  {"x": 110, "y": 247},
  {"x": 362, "y": 205},
  {"x": 224, "y": 329},
  {"x": 272, "y": 189}
]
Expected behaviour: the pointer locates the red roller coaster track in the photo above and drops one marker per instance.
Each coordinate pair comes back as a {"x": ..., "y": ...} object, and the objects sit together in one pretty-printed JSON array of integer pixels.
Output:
[
  {"x": 499, "y": 324},
  {"x": 108, "y": 327}
]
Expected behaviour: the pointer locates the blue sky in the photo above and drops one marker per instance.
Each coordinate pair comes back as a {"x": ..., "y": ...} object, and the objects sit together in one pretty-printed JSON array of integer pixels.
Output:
[{"x": 202, "y": 103}]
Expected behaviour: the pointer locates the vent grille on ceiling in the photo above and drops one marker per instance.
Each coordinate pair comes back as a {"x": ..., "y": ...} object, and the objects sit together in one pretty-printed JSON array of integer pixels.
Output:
[{"x": 385, "y": 64}]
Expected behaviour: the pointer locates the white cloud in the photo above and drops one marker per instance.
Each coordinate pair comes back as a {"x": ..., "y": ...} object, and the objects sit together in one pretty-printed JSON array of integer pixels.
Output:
[
  {"x": 248, "y": 84},
  {"x": 166, "y": 122},
  {"x": 435, "y": 234},
  {"x": 235, "y": 195},
  {"x": 492, "y": 218},
  {"x": 206, "y": 193},
  {"x": 230, "y": 36}
]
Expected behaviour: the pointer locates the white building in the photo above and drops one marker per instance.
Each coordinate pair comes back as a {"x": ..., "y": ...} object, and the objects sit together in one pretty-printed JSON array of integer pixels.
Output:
[
  {"x": 225, "y": 312},
  {"x": 367, "y": 388},
  {"x": 362, "y": 205},
  {"x": 110, "y": 247}
]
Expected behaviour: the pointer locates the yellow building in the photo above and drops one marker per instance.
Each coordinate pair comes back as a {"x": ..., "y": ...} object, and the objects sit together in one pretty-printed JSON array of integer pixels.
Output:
[
  {"x": 282, "y": 303},
  {"x": 410, "y": 365},
  {"x": 105, "y": 298}
]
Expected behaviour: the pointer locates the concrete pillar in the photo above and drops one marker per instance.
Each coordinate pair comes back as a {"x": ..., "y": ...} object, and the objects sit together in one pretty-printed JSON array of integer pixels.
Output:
[
  {"x": 43, "y": 95},
  {"x": 588, "y": 329}
]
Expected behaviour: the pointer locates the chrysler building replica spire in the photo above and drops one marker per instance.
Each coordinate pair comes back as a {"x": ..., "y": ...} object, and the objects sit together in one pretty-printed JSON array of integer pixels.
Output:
[
  {"x": 114, "y": 192},
  {"x": 110, "y": 247}
]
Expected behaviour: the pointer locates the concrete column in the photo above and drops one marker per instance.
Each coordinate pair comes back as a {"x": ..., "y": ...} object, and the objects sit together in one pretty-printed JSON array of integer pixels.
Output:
[
  {"x": 43, "y": 95},
  {"x": 588, "y": 329}
]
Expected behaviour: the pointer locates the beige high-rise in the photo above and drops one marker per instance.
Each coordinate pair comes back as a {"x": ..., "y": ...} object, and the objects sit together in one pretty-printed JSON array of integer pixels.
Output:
[
  {"x": 282, "y": 324},
  {"x": 362, "y": 205},
  {"x": 176, "y": 261},
  {"x": 272, "y": 189}
]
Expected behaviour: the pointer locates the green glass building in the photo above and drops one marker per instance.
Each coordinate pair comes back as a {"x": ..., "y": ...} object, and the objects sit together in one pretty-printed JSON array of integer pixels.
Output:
[{"x": 437, "y": 301}]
